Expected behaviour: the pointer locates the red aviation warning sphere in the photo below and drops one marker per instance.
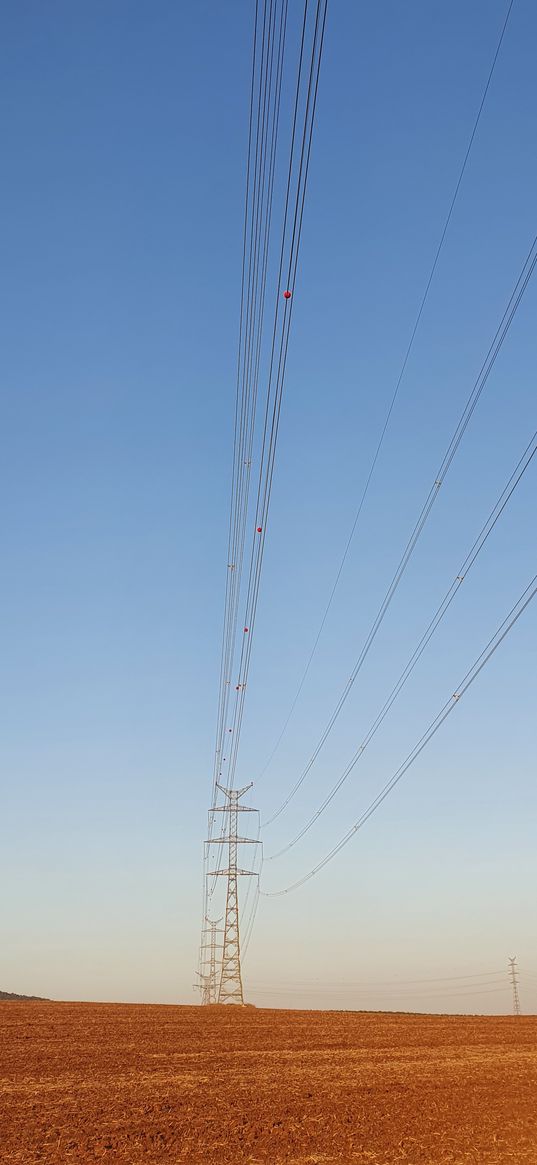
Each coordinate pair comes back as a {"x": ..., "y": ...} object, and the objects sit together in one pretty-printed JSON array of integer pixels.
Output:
[
  {"x": 287, "y": 294},
  {"x": 246, "y": 630},
  {"x": 259, "y": 529}
]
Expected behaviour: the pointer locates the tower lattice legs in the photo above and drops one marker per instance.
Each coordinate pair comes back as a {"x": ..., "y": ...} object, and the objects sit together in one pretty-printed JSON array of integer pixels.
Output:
[{"x": 230, "y": 988}]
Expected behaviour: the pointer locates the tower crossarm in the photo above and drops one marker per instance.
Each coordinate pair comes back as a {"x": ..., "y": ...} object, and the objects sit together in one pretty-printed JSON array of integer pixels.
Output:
[
  {"x": 233, "y": 871},
  {"x": 236, "y": 808},
  {"x": 235, "y": 794},
  {"x": 234, "y": 840}
]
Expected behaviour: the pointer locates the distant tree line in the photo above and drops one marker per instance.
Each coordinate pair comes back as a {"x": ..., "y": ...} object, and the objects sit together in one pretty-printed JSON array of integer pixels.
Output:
[{"x": 12, "y": 995}]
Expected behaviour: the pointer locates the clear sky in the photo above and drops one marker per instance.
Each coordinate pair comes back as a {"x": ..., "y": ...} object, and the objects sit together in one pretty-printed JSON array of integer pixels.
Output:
[{"x": 124, "y": 150}]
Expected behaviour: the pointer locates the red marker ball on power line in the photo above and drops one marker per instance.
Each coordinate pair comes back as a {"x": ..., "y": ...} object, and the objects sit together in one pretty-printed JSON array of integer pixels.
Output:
[
  {"x": 287, "y": 294},
  {"x": 259, "y": 529},
  {"x": 245, "y": 630}
]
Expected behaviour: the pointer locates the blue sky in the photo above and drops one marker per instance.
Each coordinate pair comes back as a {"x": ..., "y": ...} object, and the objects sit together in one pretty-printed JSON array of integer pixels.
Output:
[{"x": 124, "y": 157}]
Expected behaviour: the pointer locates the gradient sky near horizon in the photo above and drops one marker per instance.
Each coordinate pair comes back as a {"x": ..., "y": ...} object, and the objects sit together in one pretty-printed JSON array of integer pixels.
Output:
[{"x": 125, "y": 130}]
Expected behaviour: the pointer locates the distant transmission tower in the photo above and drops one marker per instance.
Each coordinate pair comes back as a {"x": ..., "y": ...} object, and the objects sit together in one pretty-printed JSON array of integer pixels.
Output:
[
  {"x": 230, "y": 986},
  {"x": 204, "y": 987},
  {"x": 208, "y": 977},
  {"x": 513, "y": 972}
]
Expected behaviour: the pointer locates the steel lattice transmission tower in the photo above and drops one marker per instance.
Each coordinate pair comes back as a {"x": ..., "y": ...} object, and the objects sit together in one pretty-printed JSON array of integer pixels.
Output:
[
  {"x": 513, "y": 972},
  {"x": 207, "y": 975},
  {"x": 230, "y": 986},
  {"x": 204, "y": 987}
]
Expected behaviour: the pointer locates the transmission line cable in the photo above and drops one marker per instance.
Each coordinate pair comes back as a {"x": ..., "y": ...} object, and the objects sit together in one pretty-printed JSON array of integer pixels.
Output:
[
  {"x": 252, "y": 327},
  {"x": 250, "y": 925},
  {"x": 351, "y": 992},
  {"x": 414, "y": 995},
  {"x": 239, "y": 401},
  {"x": 388, "y": 984},
  {"x": 254, "y": 337},
  {"x": 268, "y": 448},
  {"x": 503, "y": 630},
  {"x": 394, "y": 396},
  {"x": 259, "y": 217},
  {"x": 514, "y": 480},
  {"x": 251, "y": 373},
  {"x": 278, "y": 356},
  {"x": 464, "y": 420},
  {"x": 265, "y": 101},
  {"x": 290, "y": 169},
  {"x": 252, "y": 882}
]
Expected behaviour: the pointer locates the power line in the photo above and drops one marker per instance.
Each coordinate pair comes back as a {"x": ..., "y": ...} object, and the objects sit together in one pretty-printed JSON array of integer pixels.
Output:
[
  {"x": 258, "y": 214},
  {"x": 251, "y": 922},
  {"x": 396, "y": 391},
  {"x": 475, "y": 989},
  {"x": 278, "y": 360},
  {"x": 268, "y": 448},
  {"x": 464, "y": 420},
  {"x": 387, "y": 984},
  {"x": 265, "y": 100},
  {"x": 278, "y": 357},
  {"x": 236, "y": 553},
  {"x": 239, "y": 399},
  {"x": 409, "y": 996},
  {"x": 265, "y": 112},
  {"x": 248, "y": 912},
  {"x": 398, "y": 996},
  {"x": 503, "y": 630},
  {"x": 494, "y": 516}
]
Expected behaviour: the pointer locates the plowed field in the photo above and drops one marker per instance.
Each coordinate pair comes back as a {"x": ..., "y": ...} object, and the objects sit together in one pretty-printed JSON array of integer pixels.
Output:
[{"x": 96, "y": 1082}]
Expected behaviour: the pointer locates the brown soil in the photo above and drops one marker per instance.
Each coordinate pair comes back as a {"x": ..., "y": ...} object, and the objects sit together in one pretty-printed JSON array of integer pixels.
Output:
[{"x": 118, "y": 1083}]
